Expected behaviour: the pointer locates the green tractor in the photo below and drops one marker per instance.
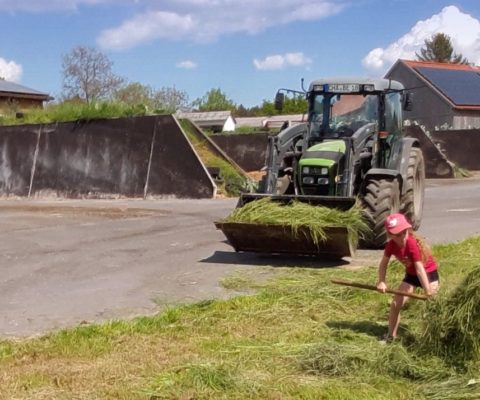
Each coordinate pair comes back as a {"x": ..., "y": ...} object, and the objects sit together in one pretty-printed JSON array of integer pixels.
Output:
[{"x": 351, "y": 149}]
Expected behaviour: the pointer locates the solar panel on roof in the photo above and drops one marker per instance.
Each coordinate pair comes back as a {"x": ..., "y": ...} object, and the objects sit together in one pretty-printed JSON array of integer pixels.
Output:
[{"x": 461, "y": 87}]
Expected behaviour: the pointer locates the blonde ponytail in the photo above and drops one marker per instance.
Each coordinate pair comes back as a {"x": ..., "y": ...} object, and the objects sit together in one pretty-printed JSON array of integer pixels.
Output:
[{"x": 425, "y": 250}]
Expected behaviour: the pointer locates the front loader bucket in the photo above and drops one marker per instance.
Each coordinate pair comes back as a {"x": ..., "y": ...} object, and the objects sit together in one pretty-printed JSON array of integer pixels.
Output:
[{"x": 280, "y": 239}]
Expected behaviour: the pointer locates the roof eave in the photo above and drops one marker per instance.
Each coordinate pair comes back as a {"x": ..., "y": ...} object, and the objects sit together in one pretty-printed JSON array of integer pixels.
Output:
[
  {"x": 30, "y": 96},
  {"x": 467, "y": 107}
]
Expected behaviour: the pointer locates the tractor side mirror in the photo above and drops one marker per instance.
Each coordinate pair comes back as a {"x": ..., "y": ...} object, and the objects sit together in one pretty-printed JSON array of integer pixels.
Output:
[
  {"x": 279, "y": 101},
  {"x": 408, "y": 101}
]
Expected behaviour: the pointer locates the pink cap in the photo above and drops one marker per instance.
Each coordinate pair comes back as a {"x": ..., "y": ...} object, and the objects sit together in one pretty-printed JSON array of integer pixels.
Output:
[{"x": 396, "y": 223}]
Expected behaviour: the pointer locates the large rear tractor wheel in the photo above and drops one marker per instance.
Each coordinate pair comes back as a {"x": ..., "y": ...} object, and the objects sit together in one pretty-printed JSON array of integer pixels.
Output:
[
  {"x": 412, "y": 200},
  {"x": 381, "y": 198}
]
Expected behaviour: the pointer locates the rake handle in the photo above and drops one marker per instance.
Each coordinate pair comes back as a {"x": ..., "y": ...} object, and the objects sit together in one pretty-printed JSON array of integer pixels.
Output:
[{"x": 372, "y": 287}]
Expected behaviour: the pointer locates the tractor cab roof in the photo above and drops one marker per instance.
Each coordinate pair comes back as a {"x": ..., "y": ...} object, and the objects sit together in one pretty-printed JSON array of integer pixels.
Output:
[{"x": 354, "y": 85}]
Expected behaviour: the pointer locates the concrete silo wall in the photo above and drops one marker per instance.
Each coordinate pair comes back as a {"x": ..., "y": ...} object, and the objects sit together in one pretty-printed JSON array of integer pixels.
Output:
[
  {"x": 461, "y": 146},
  {"x": 17, "y": 151},
  {"x": 132, "y": 157},
  {"x": 248, "y": 150}
]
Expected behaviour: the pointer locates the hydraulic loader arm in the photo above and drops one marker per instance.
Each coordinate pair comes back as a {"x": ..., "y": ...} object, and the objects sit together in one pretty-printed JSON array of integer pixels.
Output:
[{"x": 278, "y": 148}]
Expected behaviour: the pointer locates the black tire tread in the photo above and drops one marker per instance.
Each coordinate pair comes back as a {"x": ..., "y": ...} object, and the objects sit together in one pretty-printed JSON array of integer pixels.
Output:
[
  {"x": 381, "y": 198},
  {"x": 415, "y": 171}
]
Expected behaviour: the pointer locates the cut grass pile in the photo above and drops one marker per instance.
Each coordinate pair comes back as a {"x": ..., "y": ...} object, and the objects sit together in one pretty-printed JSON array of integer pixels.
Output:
[
  {"x": 296, "y": 337},
  {"x": 452, "y": 323},
  {"x": 296, "y": 215}
]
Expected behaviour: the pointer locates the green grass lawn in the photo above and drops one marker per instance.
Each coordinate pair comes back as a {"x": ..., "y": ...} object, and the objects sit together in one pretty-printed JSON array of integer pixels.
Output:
[{"x": 288, "y": 333}]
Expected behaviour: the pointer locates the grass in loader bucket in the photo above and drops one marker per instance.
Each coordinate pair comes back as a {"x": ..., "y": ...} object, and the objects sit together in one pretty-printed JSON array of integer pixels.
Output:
[{"x": 297, "y": 214}]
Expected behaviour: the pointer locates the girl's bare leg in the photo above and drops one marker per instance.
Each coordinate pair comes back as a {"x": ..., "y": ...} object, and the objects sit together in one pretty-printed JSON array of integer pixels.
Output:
[{"x": 397, "y": 304}]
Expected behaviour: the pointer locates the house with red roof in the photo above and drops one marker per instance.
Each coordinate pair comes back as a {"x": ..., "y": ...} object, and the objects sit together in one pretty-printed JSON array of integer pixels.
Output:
[{"x": 445, "y": 96}]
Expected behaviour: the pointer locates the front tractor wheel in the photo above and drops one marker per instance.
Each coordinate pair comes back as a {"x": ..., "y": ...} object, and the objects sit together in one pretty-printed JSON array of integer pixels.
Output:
[
  {"x": 412, "y": 200},
  {"x": 381, "y": 197}
]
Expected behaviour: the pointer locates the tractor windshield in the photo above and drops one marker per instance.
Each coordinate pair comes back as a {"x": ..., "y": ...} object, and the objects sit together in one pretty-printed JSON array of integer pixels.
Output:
[{"x": 341, "y": 114}]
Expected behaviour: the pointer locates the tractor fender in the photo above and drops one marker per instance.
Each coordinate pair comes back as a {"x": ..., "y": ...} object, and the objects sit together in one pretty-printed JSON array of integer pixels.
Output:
[
  {"x": 384, "y": 173},
  {"x": 399, "y": 162},
  {"x": 407, "y": 145}
]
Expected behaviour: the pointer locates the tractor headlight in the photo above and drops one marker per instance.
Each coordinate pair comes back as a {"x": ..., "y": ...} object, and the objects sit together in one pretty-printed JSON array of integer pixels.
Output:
[
  {"x": 308, "y": 180},
  {"x": 323, "y": 181},
  {"x": 306, "y": 170},
  {"x": 324, "y": 171}
]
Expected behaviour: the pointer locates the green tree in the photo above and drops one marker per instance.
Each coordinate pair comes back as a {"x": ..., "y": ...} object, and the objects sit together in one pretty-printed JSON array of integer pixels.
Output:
[
  {"x": 295, "y": 105},
  {"x": 242, "y": 111},
  {"x": 87, "y": 75},
  {"x": 268, "y": 108},
  {"x": 166, "y": 99},
  {"x": 439, "y": 49},
  {"x": 214, "y": 100},
  {"x": 134, "y": 93},
  {"x": 169, "y": 99},
  {"x": 292, "y": 105}
]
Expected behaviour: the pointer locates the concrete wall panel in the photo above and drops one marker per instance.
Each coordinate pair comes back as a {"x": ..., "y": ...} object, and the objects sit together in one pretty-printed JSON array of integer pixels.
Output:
[
  {"x": 436, "y": 164},
  {"x": 131, "y": 157},
  {"x": 461, "y": 147},
  {"x": 248, "y": 150},
  {"x": 94, "y": 158},
  {"x": 175, "y": 167},
  {"x": 17, "y": 151}
]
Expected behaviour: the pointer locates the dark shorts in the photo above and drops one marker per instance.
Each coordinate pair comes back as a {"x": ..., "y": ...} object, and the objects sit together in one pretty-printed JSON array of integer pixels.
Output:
[{"x": 414, "y": 281}]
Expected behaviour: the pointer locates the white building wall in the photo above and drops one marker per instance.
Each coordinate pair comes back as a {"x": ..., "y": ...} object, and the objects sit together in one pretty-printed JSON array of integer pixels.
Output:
[
  {"x": 465, "y": 122},
  {"x": 229, "y": 125}
]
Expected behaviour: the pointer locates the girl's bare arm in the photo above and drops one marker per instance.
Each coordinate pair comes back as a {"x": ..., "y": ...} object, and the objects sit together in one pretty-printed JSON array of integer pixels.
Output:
[
  {"x": 422, "y": 277},
  {"x": 382, "y": 272}
]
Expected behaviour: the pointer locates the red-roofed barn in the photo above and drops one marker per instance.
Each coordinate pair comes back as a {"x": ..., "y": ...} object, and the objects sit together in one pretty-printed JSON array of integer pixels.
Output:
[{"x": 445, "y": 96}]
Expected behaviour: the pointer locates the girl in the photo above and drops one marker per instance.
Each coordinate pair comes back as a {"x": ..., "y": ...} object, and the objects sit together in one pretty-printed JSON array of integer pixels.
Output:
[{"x": 414, "y": 253}]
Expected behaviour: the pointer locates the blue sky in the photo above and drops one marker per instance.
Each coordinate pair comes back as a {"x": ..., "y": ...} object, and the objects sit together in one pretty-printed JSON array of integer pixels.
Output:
[{"x": 247, "y": 48}]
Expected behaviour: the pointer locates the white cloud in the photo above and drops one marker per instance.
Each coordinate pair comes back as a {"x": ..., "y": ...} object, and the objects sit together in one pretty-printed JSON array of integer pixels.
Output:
[
  {"x": 206, "y": 20},
  {"x": 146, "y": 27},
  {"x": 10, "y": 71},
  {"x": 187, "y": 64},
  {"x": 46, "y": 5},
  {"x": 281, "y": 61},
  {"x": 463, "y": 29}
]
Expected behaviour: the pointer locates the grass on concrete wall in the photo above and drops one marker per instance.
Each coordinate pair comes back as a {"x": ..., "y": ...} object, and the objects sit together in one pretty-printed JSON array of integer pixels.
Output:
[
  {"x": 66, "y": 112},
  {"x": 233, "y": 182}
]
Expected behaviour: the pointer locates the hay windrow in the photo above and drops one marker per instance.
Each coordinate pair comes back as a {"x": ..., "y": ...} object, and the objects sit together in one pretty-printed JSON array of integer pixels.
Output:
[
  {"x": 346, "y": 359},
  {"x": 456, "y": 388},
  {"x": 452, "y": 323},
  {"x": 297, "y": 214}
]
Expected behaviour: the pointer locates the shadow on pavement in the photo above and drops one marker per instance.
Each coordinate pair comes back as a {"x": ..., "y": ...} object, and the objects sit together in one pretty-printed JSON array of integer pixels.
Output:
[{"x": 274, "y": 260}]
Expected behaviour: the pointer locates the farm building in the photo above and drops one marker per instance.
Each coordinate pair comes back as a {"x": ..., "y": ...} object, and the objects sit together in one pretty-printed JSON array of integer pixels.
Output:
[
  {"x": 18, "y": 98},
  {"x": 271, "y": 122},
  {"x": 445, "y": 96}
]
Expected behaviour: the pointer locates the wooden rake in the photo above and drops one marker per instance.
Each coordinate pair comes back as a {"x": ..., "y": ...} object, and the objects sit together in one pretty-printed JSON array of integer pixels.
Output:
[{"x": 372, "y": 287}]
